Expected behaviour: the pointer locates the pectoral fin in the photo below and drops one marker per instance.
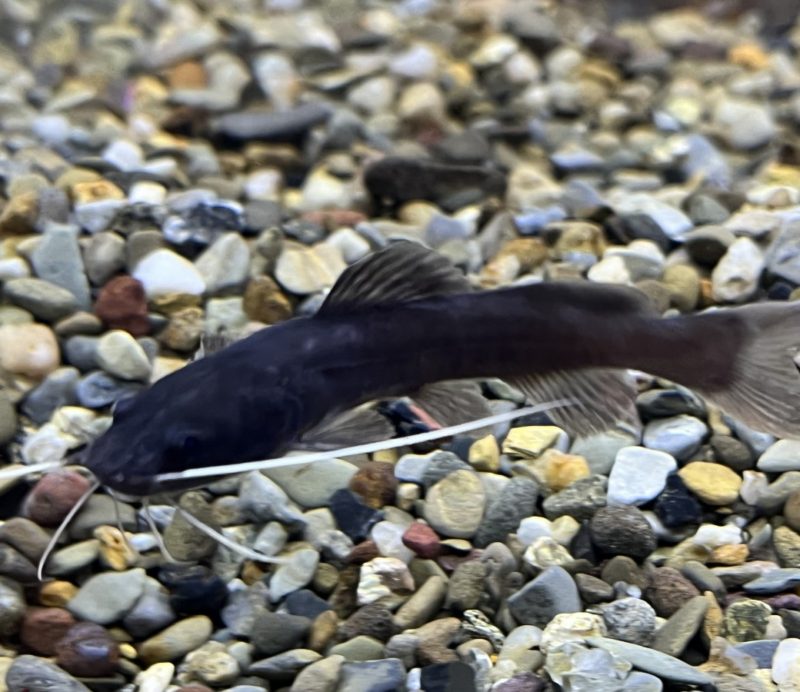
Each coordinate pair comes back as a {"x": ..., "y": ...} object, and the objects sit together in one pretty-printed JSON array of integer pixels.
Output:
[
  {"x": 356, "y": 426},
  {"x": 453, "y": 402}
]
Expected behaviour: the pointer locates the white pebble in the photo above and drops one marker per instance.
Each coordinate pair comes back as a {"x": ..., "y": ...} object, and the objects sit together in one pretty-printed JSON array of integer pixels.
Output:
[
  {"x": 711, "y": 536},
  {"x": 786, "y": 665},
  {"x": 164, "y": 271},
  {"x": 638, "y": 475}
]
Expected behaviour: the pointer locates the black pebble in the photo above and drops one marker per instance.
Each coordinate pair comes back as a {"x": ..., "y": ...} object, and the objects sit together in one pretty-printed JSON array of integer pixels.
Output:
[
  {"x": 352, "y": 515},
  {"x": 448, "y": 677},
  {"x": 676, "y": 506},
  {"x": 195, "y": 590},
  {"x": 305, "y": 603}
]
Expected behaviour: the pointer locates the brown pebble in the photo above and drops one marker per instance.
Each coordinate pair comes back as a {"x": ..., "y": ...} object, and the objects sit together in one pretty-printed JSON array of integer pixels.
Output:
[
  {"x": 263, "y": 301},
  {"x": 88, "y": 650},
  {"x": 122, "y": 304},
  {"x": 323, "y": 630},
  {"x": 375, "y": 482},
  {"x": 373, "y": 620},
  {"x": 332, "y": 219},
  {"x": 422, "y": 539},
  {"x": 54, "y": 496},
  {"x": 668, "y": 590},
  {"x": 363, "y": 552},
  {"x": 43, "y": 628}
]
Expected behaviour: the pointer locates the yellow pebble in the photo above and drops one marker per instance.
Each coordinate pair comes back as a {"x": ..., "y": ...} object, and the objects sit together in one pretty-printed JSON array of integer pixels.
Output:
[
  {"x": 714, "y": 484},
  {"x": 749, "y": 55},
  {"x": 56, "y": 594},
  {"x": 531, "y": 440},
  {"x": 562, "y": 470},
  {"x": 484, "y": 454},
  {"x": 734, "y": 554}
]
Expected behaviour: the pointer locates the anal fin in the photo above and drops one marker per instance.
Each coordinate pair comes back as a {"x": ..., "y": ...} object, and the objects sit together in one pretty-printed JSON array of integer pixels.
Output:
[
  {"x": 356, "y": 426},
  {"x": 602, "y": 398}
]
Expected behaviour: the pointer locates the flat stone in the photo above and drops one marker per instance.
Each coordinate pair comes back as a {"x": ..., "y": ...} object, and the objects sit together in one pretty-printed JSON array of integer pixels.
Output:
[
  {"x": 163, "y": 272},
  {"x": 774, "y": 581},
  {"x": 57, "y": 259},
  {"x": 454, "y": 506},
  {"x": 45, "y": 300},
  {"x": 176, "y": 640},
  {"x": 372, "y": 676},
  {"x": 713, "y": 483},
  {"x": 676, "y": 633},
  {"x": 638, "y": 475},
  {"x": 651, "y": 661},
  {"x": 107, "y": 597}
]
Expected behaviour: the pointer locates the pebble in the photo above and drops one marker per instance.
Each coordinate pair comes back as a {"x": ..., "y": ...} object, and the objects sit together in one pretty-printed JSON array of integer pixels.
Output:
[
  {"x": 667, "y": 590},
  {"x": 225, "y": 265},
  {"x": 12, "y": 611},
  {"x": 735, "y": 277},
  {"x": 304, "y": 270},
  {"x": 35, "y": 674},
  {"x": 88, "y": 650},
  {"x": 54, "y": 496},
  {"x": 549, "y": 594},
  {"x": 321, "y": 676},
  {"x": 122, "y": 304},
  {"x": 274, "y": 633},
  {"x": 515, "y": 501},
  {"x": 164, "y": 272},
  {"x": 120, "y": 355},
  {"x": 630, "y": 620},
  {"x": 676, "y": 506},
  {"x": 638, "y": 475},
  {"x": 28, "y": 349},
  {"x": 676, "y": 633},
  {"x": 177, "y": 640},
  {"x": 372, "y": 676},
  {"x": 714, "y": 484},
  {"x": 155, "y": 678},
  {"x": 55, "y": 391},
  {"x": 786, "y": 664},
  {"x": 108, "y": 597},
  {"x": 783, "y": 455},
  {"x": 43, "y": 299},
  {"x": 679, "y": 436},
  {"x": 580, "y": 501},
  {"x": 454, "y": 506},
  {"x": 729, "y": 116},
  {"x": 314, "y": 489},
  {"x": 622, "y": 530}
]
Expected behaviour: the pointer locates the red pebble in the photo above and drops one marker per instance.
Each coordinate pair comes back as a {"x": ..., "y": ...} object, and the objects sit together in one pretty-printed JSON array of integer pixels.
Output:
[
  {"x": 363, "y": 552},
  {"x": 88, "y": 650},
  {"x": 51, "y": 499},
  {"x": 122, "y": 304},
  {"x": 43, "y": 628},
  {"x": 422, "y": 539}
]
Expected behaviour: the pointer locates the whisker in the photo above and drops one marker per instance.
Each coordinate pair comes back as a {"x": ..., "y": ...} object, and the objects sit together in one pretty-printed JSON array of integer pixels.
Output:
[
  {"x": 62, "y": 527},
  {"x": 118, "y": 517},
  {"x": 20, "y": 471},
  {"x": 224, "y": 540},
  {"x": 364, "y": 448},
  {"x": 162, "y": 546}
]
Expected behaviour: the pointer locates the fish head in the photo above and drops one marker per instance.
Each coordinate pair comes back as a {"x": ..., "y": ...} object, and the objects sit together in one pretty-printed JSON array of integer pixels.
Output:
[{"x": 187, "y": 420}]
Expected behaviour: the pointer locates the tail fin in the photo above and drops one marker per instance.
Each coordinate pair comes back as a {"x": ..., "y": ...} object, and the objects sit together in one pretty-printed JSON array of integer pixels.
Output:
[{"x": 762, "y": 386}]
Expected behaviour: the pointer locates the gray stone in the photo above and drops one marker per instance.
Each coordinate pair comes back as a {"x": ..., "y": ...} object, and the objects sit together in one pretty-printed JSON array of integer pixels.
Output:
[
  {"x": 263, "y": 500},
  {"x": 81, "y": 351},
  {"x": 285, "y": 665},
  {"x": 774, "y": 581},
  {"x": 98, "y": 389},
  {"x": 104, "y": 256},
  {"x": 783, "y": 455},
  {"x": 151, "y": 613},
  {"x": 57, "y": 259},
  {"x": 743, "y": 124},
  {"x": 680, "y": 436},
  {"x": 630, "y": 620},
  {"x": 515, "y": 501},
  {"x": 55, "y": 391},
  {"x": 654, "y": 662},
  {"x": 360, "y": 648},
  {"x": 225, "y": 265},
  {"x": 386, "y": 675},
  {"x": 34, "y": 674},
  {"x": 107, "y": 597},
  {"x": 539, "y": 601},
  {"x": 783, "y": 255},
  {"x": 43, "y": 299},
  {"x": 676, "y": 633},
  {"x": 762, "y": 650},
  {"x": 736, "y": 277},
  {"x": 580, "y": 500},
  {"x": 8, "y": 419},
  {"x": 312, "y": 485},
  {"x": 274, "y": 633},
  {"x": 12, "y": 607}
]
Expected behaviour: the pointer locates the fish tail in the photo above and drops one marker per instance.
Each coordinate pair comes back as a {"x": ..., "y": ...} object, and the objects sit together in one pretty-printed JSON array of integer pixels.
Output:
[{"x": 744, "y": 364}]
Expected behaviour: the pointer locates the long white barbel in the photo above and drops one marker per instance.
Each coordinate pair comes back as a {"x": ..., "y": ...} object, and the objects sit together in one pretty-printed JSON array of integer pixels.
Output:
[{"x": 363, "y": 448}]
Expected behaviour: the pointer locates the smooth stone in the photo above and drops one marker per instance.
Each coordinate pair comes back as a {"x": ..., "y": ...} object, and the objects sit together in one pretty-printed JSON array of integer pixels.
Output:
[
  {"x": 786, "y": 664},
  {"x": 762, "y": 650},
  {"x": 783, "y": 255},
  {"x": 177, "y": 640},
  {"x": 99, "y": 389},
  {"x": 108, "y": 597},
  {"x": 638, "y": 475},
  {"x": 12, "y": 607},
  {"x": 679, "y": 436},
  {"x": 676, "y": 633},
  {"x": 156, "y": 678},
  {"x": 305, "y": 270},
  {"x": 600, "y": 449},
  {"x": 8, "y": 419},
  {"x": 120, "y": 355},
  {"x": 294, "y": 574},
  {"x": 285, "y": 665},
  {"x": 774, "y": 581},
  {"x": 274, "y": 633},
  {"x": 353, "y": 516},
  {"x": 651, "y": 661},
  {"x": 783, "y": 455},
  {"x": 743, "y": 124},
  {"x": 55, "y": 391},
  {"x": 151, "y": 613},
  {"x": 34, "y": 674},
  {"x": 360, "y": 648},
  {"x": 57, "y": 258},
  {"x": 225, "y": 264},
  {"x": 321, "y": 676},
  {"x": 676, "y": 506},
  {"x": 736, "y": 276},
  {"x": 263, "y": 500},
  {"x": 454, "y": 506},
  {"x": 43, "y": 299},
  {"x": 73, "y": 558},
  {"x": 104, "y": 256},
  {"x": 372, "y": 676},
  {"x": 713, "y": 483},
  {"x": 313, "y": 489},
  {"x": 28, "y": 349},
  {"x": 163, "y": 272},
  {"x": 550, "y": 593}
]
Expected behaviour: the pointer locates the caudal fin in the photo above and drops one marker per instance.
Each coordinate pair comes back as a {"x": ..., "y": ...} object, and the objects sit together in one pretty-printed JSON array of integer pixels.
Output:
[{"x": 762, "y": 386}]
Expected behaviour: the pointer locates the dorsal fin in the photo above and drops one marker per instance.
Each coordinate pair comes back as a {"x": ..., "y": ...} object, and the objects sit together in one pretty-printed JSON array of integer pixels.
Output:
[{"x": 401, "y": 272}]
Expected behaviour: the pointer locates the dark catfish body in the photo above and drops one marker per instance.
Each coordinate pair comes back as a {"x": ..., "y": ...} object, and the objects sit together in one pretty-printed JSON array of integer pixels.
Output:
[{"x": 256, "y": 398}]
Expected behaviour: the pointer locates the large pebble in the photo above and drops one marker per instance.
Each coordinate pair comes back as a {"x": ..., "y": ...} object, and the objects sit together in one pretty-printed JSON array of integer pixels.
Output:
[
  {"x": 304, "y": 270},
  {"x": 515, "y": 501},
  {"x": 622, "y": 530},
  {"x": 28, "y": 349},
  {"x": 312, "y": 485},
  {"x": 736, "y": 276},
  {"x": 782, "y": 456},
  {"x": 743, "y": 124},
  {"x": 33, "y": 674},
  {"x": 713, "y": 483},
  {"x": 163, "y": 272},
  {"x": 679, "y": 436},
  {"x": 108, "y": 597},
  {"x": 177, "y": 640},
  {"x": 372, "y": 676},
  {"x": 638, "y": 475},
  {"x": 120, "y": 355},
  {"x": 454, "y": 506},
  {"x": 551, "y": 593},
  {"x": 43, "y": 299},
  {"x": 224, "y": 265}
]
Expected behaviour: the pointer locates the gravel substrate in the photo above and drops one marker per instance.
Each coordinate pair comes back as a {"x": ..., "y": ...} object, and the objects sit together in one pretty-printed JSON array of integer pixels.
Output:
[{"x": 174, "y": 169}]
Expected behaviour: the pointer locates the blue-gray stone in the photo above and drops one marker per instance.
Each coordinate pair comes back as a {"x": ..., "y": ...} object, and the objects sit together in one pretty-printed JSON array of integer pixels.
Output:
[
  {"x": 57, "y": 258},
  {"x": 534, "y": 220},
  {"x": 680, "y": 436},
  {"x": 539, "y": 601},
  {"x": 651, "y": 661},
  {"x": 81, "y": 351},
  {"x": 34, "y": 674},
  {"x": 99, "y": 389},
  {"x": 774, "y": 581},
  {"x": 55, "y": 391},
  {"x": 783, "y": 255},
  {"x": 661, "y": 403},
  {"x": 760, "y": 649},
  {"x": 383, "y": 675}
]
